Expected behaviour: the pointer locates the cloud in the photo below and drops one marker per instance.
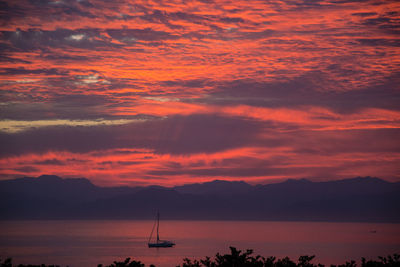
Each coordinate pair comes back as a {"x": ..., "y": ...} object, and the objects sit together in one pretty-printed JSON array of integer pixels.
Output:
[
  {"x": 376, "y": 42},
  {"x": 200, "y": 84},
  {"x": 307, "y": 90},
  {"x": 91, "y": 79},
  {"x": 388, "y": 23},
  {"x": 50, "y": 162},
  {"x": 24, "y": 71},
  {"x": 35, "y": 39},
  {"x": 320, "y": 155},
  {"x": 365, "y": 14},
  {"x": 28, "y": 111},
  {"x": 26, "y": 169},
  {"x": 9, "y": 11},
  {"x": 174, "y": 135},
  {"x": 16, "y": 10},
  {"x": 10, "y": 126},
  {"x": 66, "y": 58},
  {"x": 76, "y": 37},
  {"x": 132, "y": 35}
]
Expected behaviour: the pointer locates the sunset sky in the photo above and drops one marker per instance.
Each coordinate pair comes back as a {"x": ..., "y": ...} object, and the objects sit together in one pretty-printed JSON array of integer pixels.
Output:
[{"x": 174, "y": 92}]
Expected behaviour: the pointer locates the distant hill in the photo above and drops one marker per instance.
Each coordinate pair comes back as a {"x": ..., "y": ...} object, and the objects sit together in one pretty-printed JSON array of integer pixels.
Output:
[
  {"x": 215, "y": 187},
  {"x": 51, "y": 197}
]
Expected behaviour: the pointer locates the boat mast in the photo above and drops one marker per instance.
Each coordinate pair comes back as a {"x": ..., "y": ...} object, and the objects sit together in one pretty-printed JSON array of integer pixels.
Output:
[{"x": 158, "y": 222}]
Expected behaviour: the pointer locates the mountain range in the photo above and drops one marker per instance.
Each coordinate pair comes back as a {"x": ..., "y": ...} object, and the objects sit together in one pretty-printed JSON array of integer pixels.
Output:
[{"x": 361, "y": 199}]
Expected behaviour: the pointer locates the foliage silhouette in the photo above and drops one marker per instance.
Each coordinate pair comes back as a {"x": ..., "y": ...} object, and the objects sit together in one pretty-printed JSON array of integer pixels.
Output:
[
  {"x": 237, "y": 258},
  {"x": 390, "y": 261},
  {"x": 126, "y": 263},
  {"x": 8, "y": 263}
]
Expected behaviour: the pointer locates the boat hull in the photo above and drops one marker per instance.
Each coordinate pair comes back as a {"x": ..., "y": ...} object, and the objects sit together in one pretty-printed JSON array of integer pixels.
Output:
[{"x": 165, "y": 244}]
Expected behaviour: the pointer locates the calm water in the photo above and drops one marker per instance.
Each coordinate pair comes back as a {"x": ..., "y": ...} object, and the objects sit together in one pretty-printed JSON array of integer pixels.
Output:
[{"x": 88, "y": 243}]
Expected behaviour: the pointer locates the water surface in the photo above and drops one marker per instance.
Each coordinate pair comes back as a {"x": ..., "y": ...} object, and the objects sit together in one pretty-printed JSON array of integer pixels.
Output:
[{"x": 88, "y": 243}]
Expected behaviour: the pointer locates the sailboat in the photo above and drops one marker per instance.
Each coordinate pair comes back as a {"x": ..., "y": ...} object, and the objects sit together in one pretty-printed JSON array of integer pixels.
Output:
[{"x": 159, "y": 243}]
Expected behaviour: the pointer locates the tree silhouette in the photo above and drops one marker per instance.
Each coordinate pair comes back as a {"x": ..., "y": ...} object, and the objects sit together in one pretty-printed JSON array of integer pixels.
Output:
[
  {"x": 237, "y": 258},
  {"x": 389, "y": 261},
  {"x": 6, "y": 263},
  {"x": 126, "y": 263}
]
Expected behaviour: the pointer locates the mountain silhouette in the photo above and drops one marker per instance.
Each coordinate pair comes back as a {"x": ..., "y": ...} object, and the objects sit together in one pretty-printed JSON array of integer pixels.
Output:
[
  {"x": 51, "y": 197},
  {"x": 215, "y": 187}
]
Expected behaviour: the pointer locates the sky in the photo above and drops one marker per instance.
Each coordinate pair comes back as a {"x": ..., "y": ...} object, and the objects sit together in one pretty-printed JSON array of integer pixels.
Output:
[{"x": 175, "y": 92}]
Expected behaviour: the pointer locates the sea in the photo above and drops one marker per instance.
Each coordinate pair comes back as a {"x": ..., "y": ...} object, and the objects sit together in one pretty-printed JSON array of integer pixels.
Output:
[{"x": 82, "y": 243}]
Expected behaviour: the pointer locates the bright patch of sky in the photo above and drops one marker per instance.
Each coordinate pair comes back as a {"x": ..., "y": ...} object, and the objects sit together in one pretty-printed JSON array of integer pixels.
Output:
[{"x": 15, "y": 126}]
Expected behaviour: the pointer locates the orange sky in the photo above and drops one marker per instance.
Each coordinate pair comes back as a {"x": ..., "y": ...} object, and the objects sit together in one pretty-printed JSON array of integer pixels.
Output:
[{"x": 174, "y": 92}]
